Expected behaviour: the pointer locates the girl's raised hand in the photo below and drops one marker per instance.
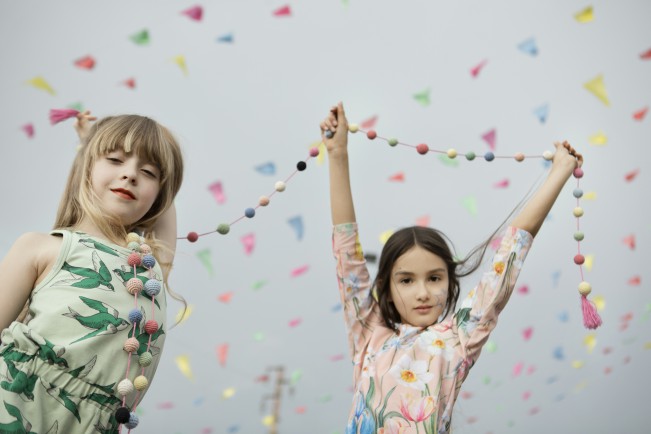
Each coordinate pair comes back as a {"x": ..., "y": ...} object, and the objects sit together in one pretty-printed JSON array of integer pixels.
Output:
[
  {"x": 337, "y": 126},
  {"x": 566, "y": 158},
  {"x": 83, "y": 124}
]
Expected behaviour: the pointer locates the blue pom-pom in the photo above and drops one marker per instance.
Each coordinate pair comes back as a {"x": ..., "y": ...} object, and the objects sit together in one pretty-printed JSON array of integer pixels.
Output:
[
  {"x": 249, "y": 212},
  {"x": 152, "y": 287},
  {"x": 489, "y": 156},
  {"x": 577, "y": 193},
  {"x": 328, "y": 134},
  {"x": 133, "y": 421},
  {"x": 148, "y": 261},
  {"x": 135, "y": 316}
]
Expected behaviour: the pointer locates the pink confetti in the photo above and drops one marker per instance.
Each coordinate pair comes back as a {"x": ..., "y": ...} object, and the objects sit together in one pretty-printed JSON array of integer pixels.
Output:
[
  {"x": 646, "y": 55},
  {"x": 398, "y": 177},
  {"x": 206, "y": 431},
  {"x": 502, "y": 184},
  {"x": 423, "y": 221},
  {"x": 284, "y": 11},
  {"x": 222, "y": 354},
  {"x": 471, "y": 420},
  {"x": 466, "y": 395},
  {"x": 531, "y": 369},
  {"x": 524, "y": 290},
  {"x": 195, "y": 13},
  {"x": 534, "y": 411},
  {"x": 226, "y": 297},
  {"x": 526, "y": 395},
  {"x": 28, "y": 129},
  {"x": 635, "y": 280},
  {"x": 217, "y": 191},
  {"x": 300, "y": 410},
  {"x": 295, "y": 322},
  {"x": 368, "y": 123},
  {"x": 86, "y": 62},
  {"x": 167, "y": 405},
  {"x": 630, "y": 241},
  {"x": 630, "y": 176},
  {"x": 336, "y": 357},
  {"x": 607, "y": 350},
  {"x": 517, "y": 369},
  {"x": 248, "y": 241},
  {"x": 489, "y": 138},
  {"x": 628, "y": 317},
  {"x": 627, "y": 360},
  {"x": 608, "y": 370},
  {"x": 477, "y": 69},
  {"x": 130, "y": 83},
  {"x": 526, "y": 333},
  {"x": 299, "y": 270}
]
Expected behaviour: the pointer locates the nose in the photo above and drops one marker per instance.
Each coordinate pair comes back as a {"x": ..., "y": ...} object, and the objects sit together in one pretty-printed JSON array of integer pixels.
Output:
[
  {"x": 130, "y": 173},
  {"x": 423, "y": 293}
]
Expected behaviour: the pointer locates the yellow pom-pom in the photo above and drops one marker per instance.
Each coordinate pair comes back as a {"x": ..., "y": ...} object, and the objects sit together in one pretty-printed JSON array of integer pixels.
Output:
[
  {"x": 140, "y": 382},
  {"x": 353, "y": 128},
  {"x": 452, "y": 153},
  {"x": 133, "y": 237},
  {"x": 578, "y": 211},
  {"x": 585, "y": 288}
]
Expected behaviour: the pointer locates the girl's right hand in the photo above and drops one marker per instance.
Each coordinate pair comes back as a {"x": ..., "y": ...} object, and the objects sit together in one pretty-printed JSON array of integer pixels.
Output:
[
  {"x": 83, "y": 124},
  {"x": 337, "y": 124}
]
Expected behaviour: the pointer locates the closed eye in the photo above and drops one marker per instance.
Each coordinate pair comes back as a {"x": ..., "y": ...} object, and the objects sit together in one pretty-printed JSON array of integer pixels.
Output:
[
  {"x": 114, "y": 160},
  {"x": 150, "y": 173}
]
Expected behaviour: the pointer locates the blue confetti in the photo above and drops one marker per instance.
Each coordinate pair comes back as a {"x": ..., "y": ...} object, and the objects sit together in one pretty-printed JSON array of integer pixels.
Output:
[
  {"x": 529, "y": 47},
  {"x": 267, "y": 168}
]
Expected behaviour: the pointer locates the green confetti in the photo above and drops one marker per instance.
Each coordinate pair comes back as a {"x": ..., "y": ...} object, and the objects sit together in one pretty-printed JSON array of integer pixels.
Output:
[
  {"x": 204, "y": 257},
  {"x": 77, "y": 106},
  {"x": 450, "y": 162},
  {"x": 423, "y": 98},
  {"x": 296, "y": 375},
  {"x": 487, "y": 380},
  {"x": 491, "y": 346},
  {"x": 470, "y": 204},
  {"x": 259, "y": 284},
  {"x": 259, "y": 336},
  {"x": 140, "y": 38}
]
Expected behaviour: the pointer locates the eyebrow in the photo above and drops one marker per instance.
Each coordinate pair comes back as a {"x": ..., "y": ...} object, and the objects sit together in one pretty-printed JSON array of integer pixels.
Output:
[{"x": 409, "y": 273}]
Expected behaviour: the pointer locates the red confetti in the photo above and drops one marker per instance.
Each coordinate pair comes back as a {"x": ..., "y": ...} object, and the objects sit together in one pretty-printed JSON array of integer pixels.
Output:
[
  {"x": 336, "y": 357},
  {"x": 194, "y": 13},
  {"x": 524, "y": 289},
  {"x": 646, "y": 55},
  {"x": 534, "y": 410},
  {"x": 222, "y": 354},
  {"x": 635, "y": 280},
  {"x": 226, "y": 297},
  {"x": 526, "y": 395},
  {"x": 631, "y": 175},
  {"x": 630, "y": 241},
  {"x": 477, "y": 69},
  {"x": 167, "y": 405},
  {"x": 471, "y": 420},
  {"x": 86, "y": 62},
  {"x": 628, "y": 317},
  {"x": 501, "y": 184},
  {"x": 423, "y": 221},
  {"x": 300, "y": 410},
  {"x": 627, "y": 359},
  {"x": 466, "y": 395},
  {"x": 398, "y": 177},
  {"x": 130, "y": 83},
  {"x": 284, "y": 11},
  {"x": 607, "y": 350},
  {"x": 639, "y": 115},
  {"x": 368, "y": 123},
  {"x": 262, "y": 379}
]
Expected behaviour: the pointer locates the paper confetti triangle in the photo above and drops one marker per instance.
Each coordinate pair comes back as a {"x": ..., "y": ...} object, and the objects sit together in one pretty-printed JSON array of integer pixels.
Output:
[
  {"x": 529, "y": 47},
  {"x": 228, "y": 393},
  {"x": 599, "y": 302},
  {"x": 630, "y": 241},
  {"x": 598, "y": 139},
  {"x": 517, "y": 369},
  {"x": 140, "y": 38},
  {"x": 368, "y": 123},
  {"x": 475, "y": 70},
  {"x": 228, "y": 38},
  {"x": 204, "y": 257},
  {"x": 296, "y": 223},
  {"x": 222, "y": 354},
  {"x": 217, "y": 190},
  {"x": 490, "y": 346},
  {"x": 584, "y": 15},
  {"x": 470, "y": 204},
  {"x": 577, "y": 364},
  {"x": 183, "y": 363},
  {"x": 295, "y": 322},
  {"x": 295, "y": 376},
  {"x": 398, "y": 177},
  {"x": 489, "y": 137},
  {"x": 194, "y": 13},
  {"x": 183, "y": 314},
  {"x": 589, "y": 342},
  {"x": 502, "y": 184},
  {"x": 336, "y": 357},
  {"x": 597, "y": 87},
  {"x": 384, "y": 236},
  {"x": 422, "y": 97},
  {"x": 564, "y": 316},
  {"x": 640, "y": 114},
  {"x": 266, "y": 168},
  {"x": 40, "y": 83},
  {"x": 524, "y": 289},
  {"x": 226, "y": 297},
  {"x": 556, "y": 275},
  {"x": 258, "y": 336},
  {"x": 646, "y": 55},
  {"x": 526, "y": 333},
  {"x": 423, "y": 221},
  {"x": 28, "y": 129},
  {"x": 130, "y": 83},
  {"x": 299, "y": 271},
  {"x": 284, "y": 11},
  {"x": 635, "y": 280},
  {"x": 558, "y": 353},
  {"x": 180, "y": 62},
  {"x": 300, "y": 410},
  {"x": 542, "y": 113},
  {"x": 167, "y": 405},
  {"x": 447, "y": 161},
  {"x": 86, "y": 62},
  {"x": 590, "y": 195},
  {"x": 268, "y": 420},
  {"x": 589, "y": 262},
  {"x": 630, "y": 176},
  {"x": 248, "y": 241}
]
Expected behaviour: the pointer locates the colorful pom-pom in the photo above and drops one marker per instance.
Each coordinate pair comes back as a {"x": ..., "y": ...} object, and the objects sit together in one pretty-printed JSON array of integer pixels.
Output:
[
  {"x": 470, "y": 156},
  {"x": 314, "y": 151},
  {"x": 133, "y": 421},
  {"x": 140, "y": 382},
  {"x": 519, "y": 157},
  {"x": 148, "y": 261},
  {"x": 489, "y": 156},
  {"x": 151, "y": 327},
  {"x": 579, "y": 259},
  {"x": 249, "y": 212},
  {"x": 135, "y": 316},
  {"x": 578, "y": 173},
  {"x": 122, "y": 415},
  {"x": 578, "y": 236},
  {"x": 301, "y": 166},
  {"x": 134, "y": 259},
  {"x": 133, "y": 237},
  {"x": 548, "y": 155},
  {"x": 134, "y": 285},
  {"x": 422, "y": 149},
  {"x": 452, "y": 153},
  {"x": 584, "y": 288},
  {"x": 223, "y": 228},
  {"x": 131, "y": 345},
  {"x": 371, "y": 134},
  {"x": 578, "y": 193},
  {"x": 134, "y": 245},
  {"x": 152, "y": 287},
  {"x": 263, "y": 201},
  {"x": 328, "y": 134},
  {"x": 353, "y": 128},
  {"x": 145, "y": 359},
  {"x": 578, "y": 212},
  {"x": 145, "y": 249},
  {"x": 280, "y": 186},
  {"x": 193, "y": 237},
  {"x": 125, "y": 387},
  {"x": 392, "y": 141}
]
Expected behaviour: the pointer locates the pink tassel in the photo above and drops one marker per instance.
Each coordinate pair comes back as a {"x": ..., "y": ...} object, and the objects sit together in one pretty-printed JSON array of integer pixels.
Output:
[
  {"x": 591, "y": 318},
  {"x": 58, "y": 115}
]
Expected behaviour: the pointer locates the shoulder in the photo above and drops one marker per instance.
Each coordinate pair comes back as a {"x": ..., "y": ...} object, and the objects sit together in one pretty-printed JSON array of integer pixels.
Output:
[{"x": 37, "y": 247}]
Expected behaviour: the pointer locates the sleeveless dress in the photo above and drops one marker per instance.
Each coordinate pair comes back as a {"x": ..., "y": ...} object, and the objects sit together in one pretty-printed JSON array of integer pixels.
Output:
[{"x": 59, "y": 369}]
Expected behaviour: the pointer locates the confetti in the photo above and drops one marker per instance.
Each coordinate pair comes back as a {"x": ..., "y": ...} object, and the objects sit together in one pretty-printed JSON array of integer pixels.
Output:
[{"x": 597, "y": 87}]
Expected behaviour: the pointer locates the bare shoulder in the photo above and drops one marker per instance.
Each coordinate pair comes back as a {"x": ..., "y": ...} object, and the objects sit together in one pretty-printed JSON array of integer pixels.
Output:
[{"x": 38, "y": 249}]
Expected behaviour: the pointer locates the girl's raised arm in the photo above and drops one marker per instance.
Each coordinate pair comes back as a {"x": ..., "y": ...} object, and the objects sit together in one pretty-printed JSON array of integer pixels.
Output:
[
  {"x": 341, "y": 198},
  {"x": 532, "y": 216}
]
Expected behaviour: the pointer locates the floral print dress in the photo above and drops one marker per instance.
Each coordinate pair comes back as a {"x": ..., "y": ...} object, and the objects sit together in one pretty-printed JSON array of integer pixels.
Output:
[{"x": 408, "y": 381}]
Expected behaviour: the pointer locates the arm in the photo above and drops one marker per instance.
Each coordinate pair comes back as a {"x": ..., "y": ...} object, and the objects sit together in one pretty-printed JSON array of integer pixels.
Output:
[
  {"x": 532, "y": 216},
  {"x": 165, "y": 231},
  {"x": 83, "y": 124},
  {"x": 341, "y": 198}
]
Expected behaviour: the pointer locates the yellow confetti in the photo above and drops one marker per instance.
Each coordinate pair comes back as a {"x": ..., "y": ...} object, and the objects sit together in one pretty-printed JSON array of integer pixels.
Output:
[
  {"x": 180, "y": 61},
  {"x": 183, "y": 363},
  {"x": 228, "y": 393},
  {"x": 590, "y": 195},
  {"x": 585, "y": 15},
  {"x": 579, "y": 387},
  {"x": 597, "y": 87},
  {"x": 590, "y": 341},
  {"x": 268, "y": 420},
  {"x": 599, "y": 302},
  {"x": 589, "y": 261},
  {"x": 320, "y": 159},
  {"x": 647, "y": 346},
  {"x": 577, "y": 364},
  {"x": 40, "y": 83},
  {"x": 384, "y": 236},
  {"x": 183, "y": 314},
  {"x": 598, "y": 139}
]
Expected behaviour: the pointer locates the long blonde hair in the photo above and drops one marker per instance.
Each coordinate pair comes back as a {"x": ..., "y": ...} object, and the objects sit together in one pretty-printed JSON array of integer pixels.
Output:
[{"x": 149, "y": 141}]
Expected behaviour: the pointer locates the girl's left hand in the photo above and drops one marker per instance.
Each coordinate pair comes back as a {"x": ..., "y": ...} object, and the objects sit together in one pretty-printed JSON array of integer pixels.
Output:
[
  {"x": 83, "y": 124},
  {"x": 566, "y": 156}
]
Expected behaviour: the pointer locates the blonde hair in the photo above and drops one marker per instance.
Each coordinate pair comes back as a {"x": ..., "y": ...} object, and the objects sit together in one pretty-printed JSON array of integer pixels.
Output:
[{"x": 149, "y": 141}]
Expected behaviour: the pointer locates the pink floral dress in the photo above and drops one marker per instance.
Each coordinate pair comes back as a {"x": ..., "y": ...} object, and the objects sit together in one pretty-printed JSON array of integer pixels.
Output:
[{"x": 408, "y": 381}]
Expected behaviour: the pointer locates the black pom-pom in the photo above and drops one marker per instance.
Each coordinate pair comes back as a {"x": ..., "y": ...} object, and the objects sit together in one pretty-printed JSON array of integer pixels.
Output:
[
  {"x": 301, "y": 165},
  {"x": 122, "y": 415}
]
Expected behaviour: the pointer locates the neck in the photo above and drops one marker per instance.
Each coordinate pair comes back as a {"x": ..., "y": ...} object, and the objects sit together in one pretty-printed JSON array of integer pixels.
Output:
[{"x": 88, "y": 226}]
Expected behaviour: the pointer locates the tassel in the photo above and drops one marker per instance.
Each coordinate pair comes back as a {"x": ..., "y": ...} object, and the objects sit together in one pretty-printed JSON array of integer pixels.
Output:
[
  {"x": 58, "y": 115},
  {"x": 591, "y": 318}
]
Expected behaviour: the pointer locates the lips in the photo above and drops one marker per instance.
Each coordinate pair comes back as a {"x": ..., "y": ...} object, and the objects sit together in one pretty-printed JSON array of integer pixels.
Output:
[
  {"x": 423, "y": 309},
  {"x": 125, "y": 194}
]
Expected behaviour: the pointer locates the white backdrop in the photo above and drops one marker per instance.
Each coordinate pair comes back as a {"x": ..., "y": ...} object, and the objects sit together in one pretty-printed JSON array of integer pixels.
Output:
[{"x": 258, "y": 100}]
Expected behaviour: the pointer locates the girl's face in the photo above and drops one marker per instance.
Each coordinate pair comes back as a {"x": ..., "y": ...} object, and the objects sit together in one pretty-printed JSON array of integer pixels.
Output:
[
  {"x": 125, "y": 185},
  {"x": 419, "y": 287}
]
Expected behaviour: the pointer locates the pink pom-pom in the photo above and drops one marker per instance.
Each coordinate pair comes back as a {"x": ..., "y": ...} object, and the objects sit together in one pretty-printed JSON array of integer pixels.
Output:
[
  {"x": 134, "y": 285},
  {"x": 58, "y": 115},
  {"x": 134, "y": 259},
  {"x": 151, "y": 327},
  {"x": 314, "y": 151},
  {"x": 371, "y": 134},
  {"x": 578, "y": 173},
  {"x": 131, "y": 345},
  {"x": 591, "y": 319},
  {"x": 422, "y": 149}
]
